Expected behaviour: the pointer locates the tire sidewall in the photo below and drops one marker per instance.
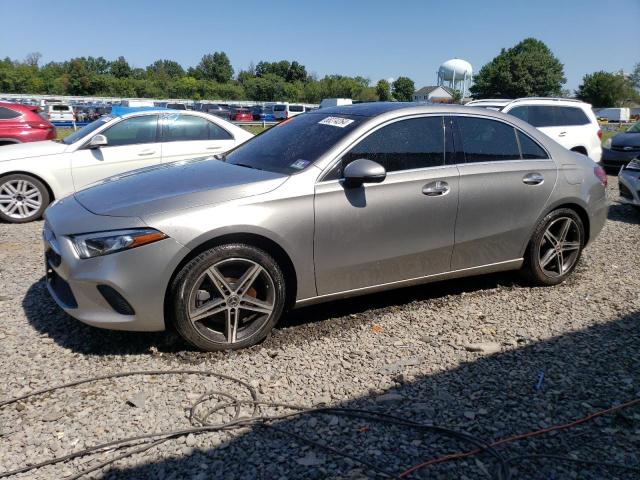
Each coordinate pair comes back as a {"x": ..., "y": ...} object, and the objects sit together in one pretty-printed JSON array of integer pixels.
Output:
[
  {"x": 44, "y": 194},
  {"x": 534, "y": 270},
  {"x": 190, "y": 273}
]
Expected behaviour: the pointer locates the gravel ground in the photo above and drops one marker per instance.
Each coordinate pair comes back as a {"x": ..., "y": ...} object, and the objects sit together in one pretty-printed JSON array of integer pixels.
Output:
[{"x": 550, "y": 355}]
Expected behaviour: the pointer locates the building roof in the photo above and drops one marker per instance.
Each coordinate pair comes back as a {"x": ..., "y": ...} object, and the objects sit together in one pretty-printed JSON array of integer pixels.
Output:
[{"x": 429, "y": 89}]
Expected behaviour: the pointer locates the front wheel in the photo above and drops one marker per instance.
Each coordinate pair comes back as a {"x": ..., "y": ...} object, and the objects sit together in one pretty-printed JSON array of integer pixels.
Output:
[
  {"x": 23, "y": 198},
  {"x": 228, "y": 297},
  {"x": 555, "y": 248}
]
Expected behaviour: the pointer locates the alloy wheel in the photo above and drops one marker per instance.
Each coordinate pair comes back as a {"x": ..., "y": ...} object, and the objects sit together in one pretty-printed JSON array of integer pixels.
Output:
[
  {"x": 231, "y": 300},
  {"x": 560, "y": 247},
  {"x": 19, "y": 199}
]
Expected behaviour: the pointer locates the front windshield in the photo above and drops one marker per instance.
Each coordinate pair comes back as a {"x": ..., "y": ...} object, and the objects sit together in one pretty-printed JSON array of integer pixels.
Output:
[
  {"x": 635, "y": 128},
  {"x": 294, "y": 144},
  {"x": 86, "y": 130}
]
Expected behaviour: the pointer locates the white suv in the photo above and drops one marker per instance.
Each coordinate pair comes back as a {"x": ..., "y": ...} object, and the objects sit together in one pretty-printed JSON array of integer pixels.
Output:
[{"x": 571, "y": 123}]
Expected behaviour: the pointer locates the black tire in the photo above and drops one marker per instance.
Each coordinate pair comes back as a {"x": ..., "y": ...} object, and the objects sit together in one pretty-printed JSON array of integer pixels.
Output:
[
  {"x": 541, "y": 247},
  {"x": 193, "y": 279},
  {"x": 31, "y": 213}
]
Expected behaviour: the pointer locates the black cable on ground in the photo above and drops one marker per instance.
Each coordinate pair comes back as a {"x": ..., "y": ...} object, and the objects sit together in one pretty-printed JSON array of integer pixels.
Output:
[{"x": 201, "y": 424}]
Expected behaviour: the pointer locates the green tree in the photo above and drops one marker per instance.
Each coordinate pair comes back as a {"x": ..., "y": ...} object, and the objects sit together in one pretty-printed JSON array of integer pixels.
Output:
[
  {"x": 383, "y": 90},
  {"x": 403, "y": 89},
  {"x": 165, "y": 69},
  {"x": 604, "y": 89},
  {"x": 634, "y": 78},
  {"x": 525, "y": 70},
  {"x": 457, "y": 96},
  {"x": 120, "y": 68},
  {"x": 216, "y": 67}
]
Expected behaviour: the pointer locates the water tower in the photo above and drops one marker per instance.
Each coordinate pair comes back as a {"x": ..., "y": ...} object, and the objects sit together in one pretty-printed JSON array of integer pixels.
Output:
[{"x": 457, "y": 74}]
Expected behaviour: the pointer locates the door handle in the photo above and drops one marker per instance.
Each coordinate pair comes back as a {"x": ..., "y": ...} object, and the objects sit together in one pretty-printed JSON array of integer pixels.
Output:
[
  {"x": 562, "y": 134},
  {"x": 214, "y": 148},
  {"x": 534, "y": 178},
  {"x": 436, "y": 189},
  {"x": 146, "y": 152}
]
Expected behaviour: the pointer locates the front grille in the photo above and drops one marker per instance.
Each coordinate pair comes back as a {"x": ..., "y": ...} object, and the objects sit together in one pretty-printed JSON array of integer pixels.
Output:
[
  {"x": 61, "y": 289},
  {"x": 625, "y": 192}
]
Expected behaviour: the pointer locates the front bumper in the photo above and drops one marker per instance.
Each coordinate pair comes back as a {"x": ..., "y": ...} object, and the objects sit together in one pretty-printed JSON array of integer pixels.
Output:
[
  {"x": 139, "y": 276},
  {"x": 629, "y": 184},
  {"x": 617, "y": 158}
]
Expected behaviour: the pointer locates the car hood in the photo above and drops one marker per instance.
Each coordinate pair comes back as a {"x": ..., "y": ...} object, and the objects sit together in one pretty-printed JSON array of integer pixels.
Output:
[
  {"x": 175, "y": 186},
  {"x": 31, "y": 149},
  {"x": 626, "y": 140}
]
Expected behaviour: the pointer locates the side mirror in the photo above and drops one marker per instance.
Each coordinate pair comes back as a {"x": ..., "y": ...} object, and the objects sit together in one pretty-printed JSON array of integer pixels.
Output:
[
  {"x": 362, "y": 171},
  {"x": 97, "y": 141}
]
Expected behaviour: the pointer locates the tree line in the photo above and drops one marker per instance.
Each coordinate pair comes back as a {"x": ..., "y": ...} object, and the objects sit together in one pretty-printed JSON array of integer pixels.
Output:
[
  {"x": 527, "y": 69},
  {"x": 212, "y": 78}
]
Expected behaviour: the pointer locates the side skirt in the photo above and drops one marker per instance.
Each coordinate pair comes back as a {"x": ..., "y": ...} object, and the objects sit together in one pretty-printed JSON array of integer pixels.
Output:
[{"x": 465, "y": 272}]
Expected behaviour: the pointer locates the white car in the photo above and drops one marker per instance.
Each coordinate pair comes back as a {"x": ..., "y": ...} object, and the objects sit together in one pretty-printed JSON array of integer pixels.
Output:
[
  {"x": 571, "y": 123},
  {"x": 33, "y": 174}
]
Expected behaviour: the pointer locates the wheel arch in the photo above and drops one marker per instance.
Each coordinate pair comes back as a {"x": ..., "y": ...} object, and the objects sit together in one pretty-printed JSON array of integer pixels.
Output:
[
  {"x": 260, "y": 241},
  {"x": 46, "y": 184},
  {"x": 580, "y": 149}
]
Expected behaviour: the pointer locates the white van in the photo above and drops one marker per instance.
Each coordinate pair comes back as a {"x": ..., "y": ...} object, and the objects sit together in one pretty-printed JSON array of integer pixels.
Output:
[
  {"x": 282, "y": 111},
  {"x": 58, "y": 112},
  {"x": 335, "y": 102},
  {"x": 614, "y": 114},
  {"x": 137, "y": 103}
]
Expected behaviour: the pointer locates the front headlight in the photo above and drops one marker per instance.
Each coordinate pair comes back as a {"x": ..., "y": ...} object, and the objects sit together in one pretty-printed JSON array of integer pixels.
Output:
[
  {"x": 103, "y": 243},
  {"x": 607, "y": 143}
]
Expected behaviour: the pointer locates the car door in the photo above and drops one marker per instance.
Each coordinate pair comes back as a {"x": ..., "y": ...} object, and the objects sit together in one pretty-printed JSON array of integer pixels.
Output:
[
  {"x": 392, "y": 231},
  {"x": 187, "y": 136},
  {"x": 132, "y": 143},
  {"x": 506, "y": 179}
]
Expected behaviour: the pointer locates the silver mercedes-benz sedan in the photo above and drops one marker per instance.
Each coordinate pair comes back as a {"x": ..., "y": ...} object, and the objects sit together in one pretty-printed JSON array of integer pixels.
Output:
[{"x": 339, "y": 202}]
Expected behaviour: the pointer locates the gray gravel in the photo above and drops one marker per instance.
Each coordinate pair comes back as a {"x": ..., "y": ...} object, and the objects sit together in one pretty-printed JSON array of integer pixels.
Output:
[{"x": 484, "y": 355}]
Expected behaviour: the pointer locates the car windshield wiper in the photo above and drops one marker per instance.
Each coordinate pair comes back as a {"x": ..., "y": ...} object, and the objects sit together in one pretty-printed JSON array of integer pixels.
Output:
[{"x": 247, "y": 166}]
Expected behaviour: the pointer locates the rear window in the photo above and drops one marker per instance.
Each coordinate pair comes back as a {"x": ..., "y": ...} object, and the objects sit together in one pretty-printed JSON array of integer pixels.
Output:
[
  {"x": 295, "y": 144},
  {"x": 7, "y": 113},
  {"x": 296, "y": 108},
  {"x": 279, "y": 108},
  {"x": 60, "y": 108}
]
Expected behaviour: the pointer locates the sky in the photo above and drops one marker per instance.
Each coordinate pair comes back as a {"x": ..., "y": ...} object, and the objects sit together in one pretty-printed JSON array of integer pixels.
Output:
[{"x": 371, "y": 38}]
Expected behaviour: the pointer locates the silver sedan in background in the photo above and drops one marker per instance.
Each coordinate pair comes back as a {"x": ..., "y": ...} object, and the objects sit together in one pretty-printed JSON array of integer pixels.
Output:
[
  {"x": 629, "y": 183},
  {"x": 339, "y": 202}
]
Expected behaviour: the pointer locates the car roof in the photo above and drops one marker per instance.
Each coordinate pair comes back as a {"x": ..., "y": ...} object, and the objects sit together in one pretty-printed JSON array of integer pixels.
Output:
[{"x": 374, "y": 109}]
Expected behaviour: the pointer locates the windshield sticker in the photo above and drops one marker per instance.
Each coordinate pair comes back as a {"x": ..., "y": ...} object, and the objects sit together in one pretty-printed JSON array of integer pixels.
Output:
[
  {"x": 336, "y": 122},
  {"x": 300, "y": 164}
]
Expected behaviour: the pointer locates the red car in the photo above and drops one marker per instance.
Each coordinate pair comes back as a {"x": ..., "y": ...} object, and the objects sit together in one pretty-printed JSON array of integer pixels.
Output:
[
  {"x": 241, "y": 115},
  {"x": 21, "y": 123}
]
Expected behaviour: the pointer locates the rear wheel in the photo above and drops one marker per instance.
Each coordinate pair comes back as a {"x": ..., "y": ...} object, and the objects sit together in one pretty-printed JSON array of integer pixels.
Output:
[
  {"x": 228, "y": 297},
  {"x": 555, "y": 248},
  {"x": 23, "y": 198}
]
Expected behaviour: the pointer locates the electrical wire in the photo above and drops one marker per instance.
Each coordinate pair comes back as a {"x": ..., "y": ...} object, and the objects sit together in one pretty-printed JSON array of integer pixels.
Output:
[
  {"x": 201, "y": 423},
  {"x": 521, "y": 436}
]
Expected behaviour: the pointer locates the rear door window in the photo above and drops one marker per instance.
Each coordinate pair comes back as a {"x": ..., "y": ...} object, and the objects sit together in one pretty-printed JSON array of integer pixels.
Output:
[
  {"x": 296, "y": 108},
  {"x": 571, "y": 116},
  {"x": 530, "y": 149},
  {"x": 486, "y": 140},
  {"x": 7, "y": 113},
  {"x": 182, "y": 128},
  {"x": 536, "y": 115}
]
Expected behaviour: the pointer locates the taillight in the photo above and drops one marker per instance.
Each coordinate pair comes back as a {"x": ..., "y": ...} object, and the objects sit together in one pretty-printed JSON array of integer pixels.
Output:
[
  {"x": 601, "y": 174},
  {"x": 600, "y": 133}
]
